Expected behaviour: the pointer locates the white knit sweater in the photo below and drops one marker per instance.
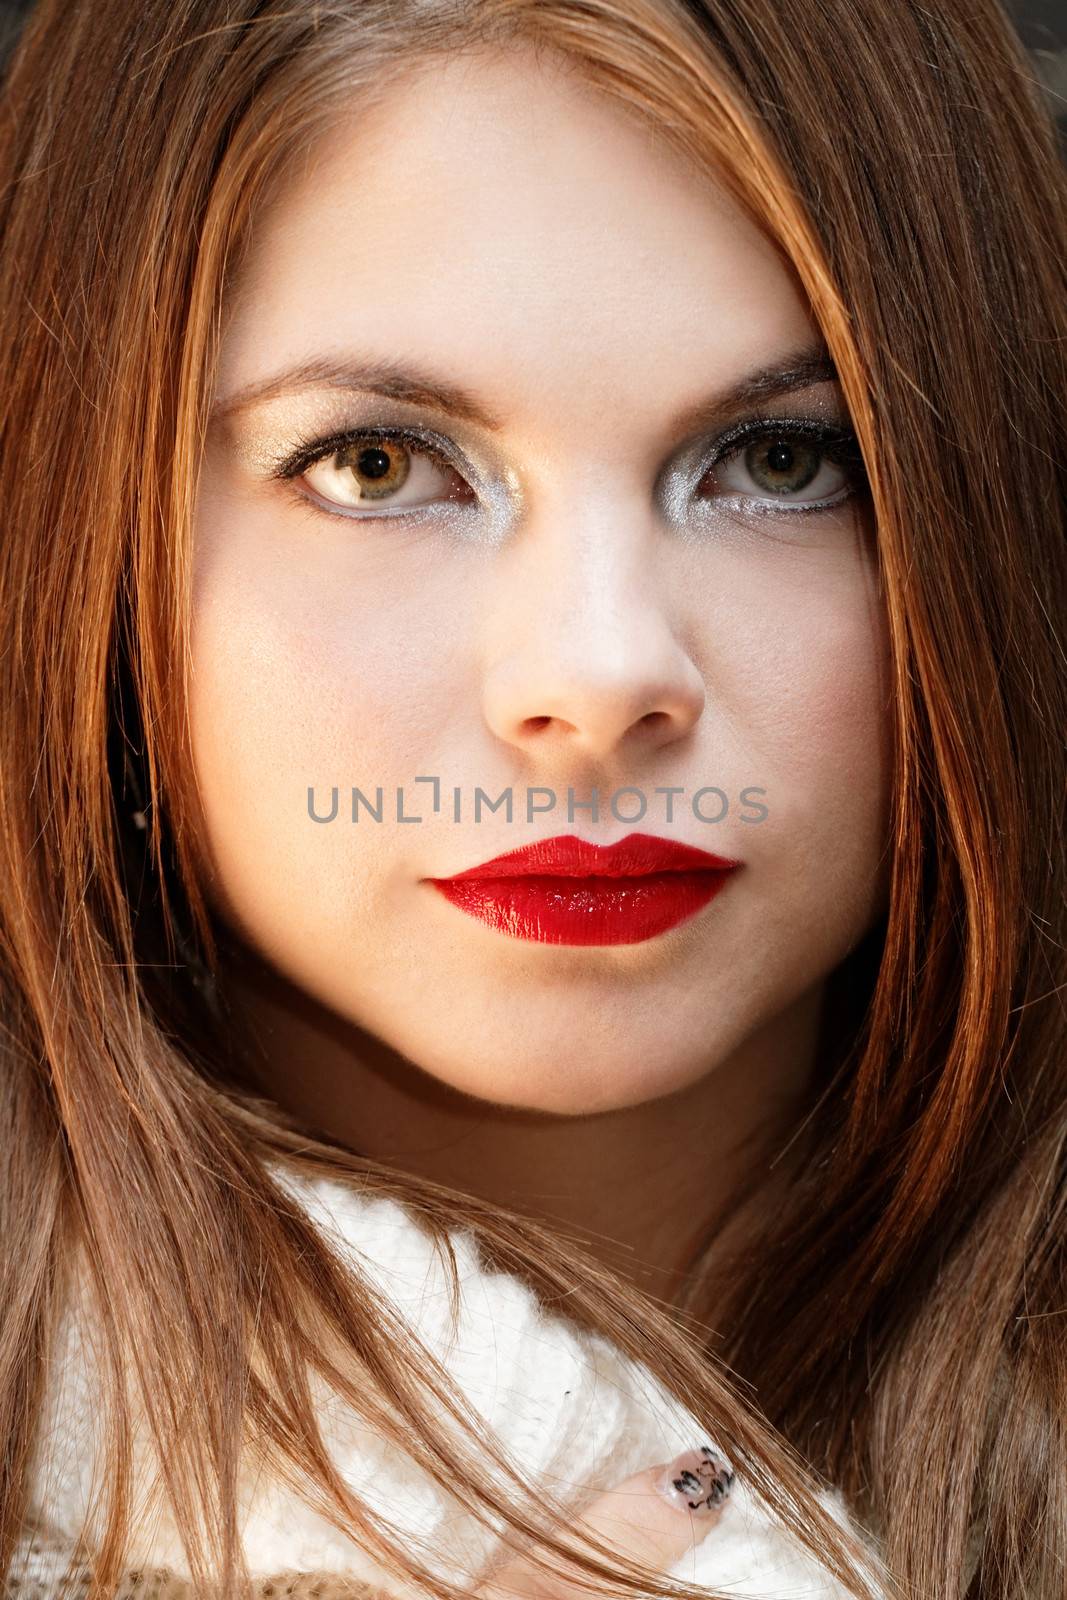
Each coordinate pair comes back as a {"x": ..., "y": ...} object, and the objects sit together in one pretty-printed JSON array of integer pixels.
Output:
[{"x": 569, "y": 1408}]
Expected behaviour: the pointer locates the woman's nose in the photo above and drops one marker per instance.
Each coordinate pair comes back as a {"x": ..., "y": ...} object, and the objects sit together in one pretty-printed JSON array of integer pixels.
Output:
[{"x": 587, "y": 659}]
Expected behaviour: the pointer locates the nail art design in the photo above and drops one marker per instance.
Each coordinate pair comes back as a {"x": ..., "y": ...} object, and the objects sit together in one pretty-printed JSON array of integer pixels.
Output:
[{"x": 698, "y": 1481}]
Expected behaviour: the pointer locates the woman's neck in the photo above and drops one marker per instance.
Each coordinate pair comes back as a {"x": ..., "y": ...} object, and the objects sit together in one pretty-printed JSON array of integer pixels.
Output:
[{"x": 641, "y": 1187}]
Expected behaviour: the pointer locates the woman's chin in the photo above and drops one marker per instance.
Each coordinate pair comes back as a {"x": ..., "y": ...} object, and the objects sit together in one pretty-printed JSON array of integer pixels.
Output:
[{"x": 572, "y": 1084}]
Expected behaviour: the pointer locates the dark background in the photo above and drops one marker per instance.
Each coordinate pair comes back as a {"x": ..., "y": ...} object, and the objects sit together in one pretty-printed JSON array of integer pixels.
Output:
[
  {"x": 1041, "y": 23},
  {"x": 1043, "y": 26}
]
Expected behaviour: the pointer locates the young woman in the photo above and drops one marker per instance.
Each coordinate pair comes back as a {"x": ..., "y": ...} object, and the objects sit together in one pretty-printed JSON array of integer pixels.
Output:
[{"x": 625, "y": 438}]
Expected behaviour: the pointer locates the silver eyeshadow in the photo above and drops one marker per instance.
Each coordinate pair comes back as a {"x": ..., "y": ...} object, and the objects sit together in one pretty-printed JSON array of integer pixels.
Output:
[
  {"x": 272, "y": 431},
  {"x": 261, "y": 439}
]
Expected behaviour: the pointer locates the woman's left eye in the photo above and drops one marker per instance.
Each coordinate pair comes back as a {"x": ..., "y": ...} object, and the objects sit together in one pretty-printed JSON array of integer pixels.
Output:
[
  {"x": 800, "y": 467},
  {"x": 387, "y": 471}
]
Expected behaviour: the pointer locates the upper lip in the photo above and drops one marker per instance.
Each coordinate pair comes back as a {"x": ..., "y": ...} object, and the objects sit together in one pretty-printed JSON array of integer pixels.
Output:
[{"x": 567, "y": 856}]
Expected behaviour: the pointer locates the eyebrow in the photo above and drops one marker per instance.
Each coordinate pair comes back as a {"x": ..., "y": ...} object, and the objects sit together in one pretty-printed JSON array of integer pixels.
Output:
[{"x": 801, "y": 369}]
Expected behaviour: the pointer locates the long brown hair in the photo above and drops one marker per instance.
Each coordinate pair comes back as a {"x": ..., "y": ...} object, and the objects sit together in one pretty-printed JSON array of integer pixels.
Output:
[{"x": 901, "y": 1325}]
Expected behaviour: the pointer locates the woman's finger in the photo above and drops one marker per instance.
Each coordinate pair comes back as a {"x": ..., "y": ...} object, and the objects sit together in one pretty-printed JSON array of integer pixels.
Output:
[{"x": 654, "y": 1517}]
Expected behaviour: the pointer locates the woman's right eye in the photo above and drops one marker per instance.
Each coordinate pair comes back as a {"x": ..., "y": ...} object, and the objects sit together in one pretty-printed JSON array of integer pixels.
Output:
[{"x": 383, "y": 471}]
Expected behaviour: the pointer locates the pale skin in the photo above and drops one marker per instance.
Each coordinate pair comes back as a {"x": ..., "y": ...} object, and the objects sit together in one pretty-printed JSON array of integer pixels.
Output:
[
  {"x": 500, "y": 226},
  {"x": 641, "y": 1519}
]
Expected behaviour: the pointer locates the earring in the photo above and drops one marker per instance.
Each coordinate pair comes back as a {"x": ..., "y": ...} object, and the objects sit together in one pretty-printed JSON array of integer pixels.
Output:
[{"x": 135, "y": 814}]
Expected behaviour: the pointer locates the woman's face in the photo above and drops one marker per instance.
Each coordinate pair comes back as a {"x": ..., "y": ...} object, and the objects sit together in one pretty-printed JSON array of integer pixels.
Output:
[{"x": 566, "y": 579}]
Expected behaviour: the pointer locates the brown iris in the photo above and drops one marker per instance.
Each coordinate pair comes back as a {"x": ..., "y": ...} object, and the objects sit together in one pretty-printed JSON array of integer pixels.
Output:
[
  {"x": 783, "y": 465},
  {"x": 380, "y": 466}
]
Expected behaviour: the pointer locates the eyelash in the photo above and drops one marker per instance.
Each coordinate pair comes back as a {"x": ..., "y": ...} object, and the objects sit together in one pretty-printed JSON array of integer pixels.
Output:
[
  {"x": 313, "y": 451},
  {"x": 834, "y": 440}
]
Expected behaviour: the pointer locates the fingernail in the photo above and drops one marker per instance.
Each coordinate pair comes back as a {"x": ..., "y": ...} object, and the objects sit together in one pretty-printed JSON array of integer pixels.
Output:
[{"x": 698, "y": 1481}]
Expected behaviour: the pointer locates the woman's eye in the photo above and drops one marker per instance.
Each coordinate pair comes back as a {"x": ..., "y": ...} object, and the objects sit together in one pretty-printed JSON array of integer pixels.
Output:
[
  {"x": 801, "y": 471},
  {"x": 383, "y": 472}
]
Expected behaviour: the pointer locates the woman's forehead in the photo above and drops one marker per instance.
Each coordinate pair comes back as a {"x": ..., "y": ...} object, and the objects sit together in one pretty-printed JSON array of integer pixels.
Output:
[{"x": 509, "y": 223}]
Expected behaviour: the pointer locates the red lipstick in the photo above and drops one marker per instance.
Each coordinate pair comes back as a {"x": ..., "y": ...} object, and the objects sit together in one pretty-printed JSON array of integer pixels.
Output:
[{"x": 568, "y": 891}]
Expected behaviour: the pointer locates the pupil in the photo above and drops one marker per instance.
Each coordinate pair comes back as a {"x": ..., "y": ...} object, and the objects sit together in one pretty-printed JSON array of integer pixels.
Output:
[
  {"x": 780, "y": 458},
  {"x": 373, "y": 462}
]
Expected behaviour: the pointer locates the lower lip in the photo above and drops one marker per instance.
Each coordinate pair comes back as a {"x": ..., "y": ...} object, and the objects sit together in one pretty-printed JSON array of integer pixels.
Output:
[{"x": 584, "y": 910}]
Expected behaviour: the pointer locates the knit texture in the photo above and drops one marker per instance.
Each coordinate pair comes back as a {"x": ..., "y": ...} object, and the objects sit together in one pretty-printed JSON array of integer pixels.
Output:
[{"x": 569, "y": 1409}]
